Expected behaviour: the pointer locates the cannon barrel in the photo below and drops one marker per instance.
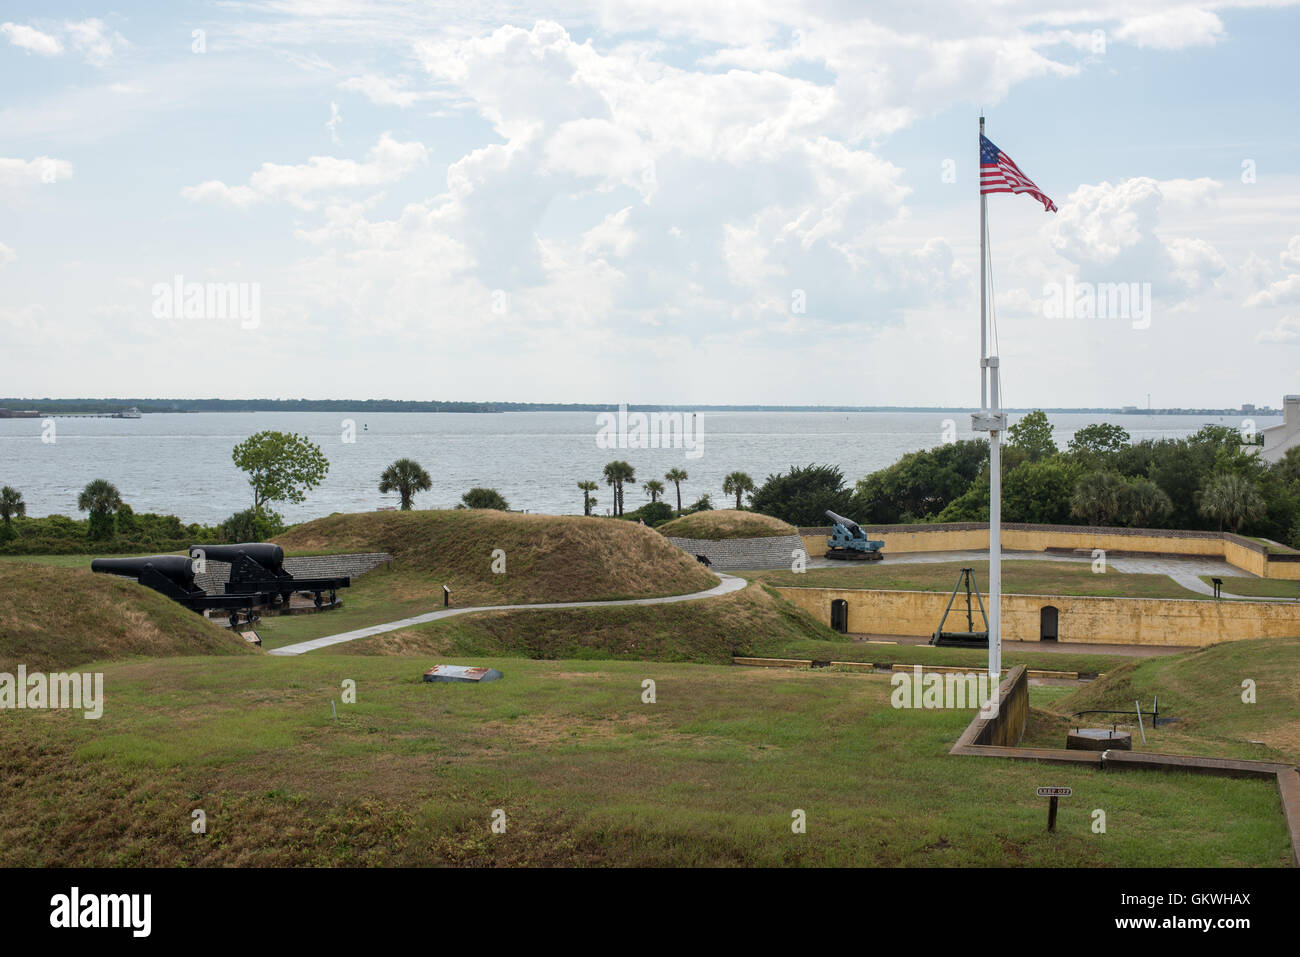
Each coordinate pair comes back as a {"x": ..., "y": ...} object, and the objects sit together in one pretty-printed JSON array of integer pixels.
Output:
[
  {"x": 176, "y": 567},
  {"x": 848, "y": 523},
  {"x": 265, "y": 554}
]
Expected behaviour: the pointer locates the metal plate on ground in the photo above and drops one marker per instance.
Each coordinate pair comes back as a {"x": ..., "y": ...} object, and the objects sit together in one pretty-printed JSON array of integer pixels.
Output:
[{"x": 461, "y": 673}]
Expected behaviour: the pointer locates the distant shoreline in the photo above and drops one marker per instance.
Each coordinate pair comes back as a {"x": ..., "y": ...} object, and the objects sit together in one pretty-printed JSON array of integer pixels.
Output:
[{"x": 30, "y": 408}]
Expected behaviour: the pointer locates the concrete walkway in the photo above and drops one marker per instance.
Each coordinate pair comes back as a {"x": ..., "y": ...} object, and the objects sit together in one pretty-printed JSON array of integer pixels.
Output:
[{"x": 727, "y": 585}]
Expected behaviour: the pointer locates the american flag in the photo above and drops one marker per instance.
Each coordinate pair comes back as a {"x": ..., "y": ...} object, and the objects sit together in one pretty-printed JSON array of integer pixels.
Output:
[{"x": 998, "y": 174}]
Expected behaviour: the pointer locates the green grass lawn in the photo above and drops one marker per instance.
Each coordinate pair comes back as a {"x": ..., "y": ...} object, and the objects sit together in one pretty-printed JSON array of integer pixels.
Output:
[
  {"x": 1257, "y": 587},
  {"x": 583, "y": 770},
  {"x": 1027, "y": 577}
]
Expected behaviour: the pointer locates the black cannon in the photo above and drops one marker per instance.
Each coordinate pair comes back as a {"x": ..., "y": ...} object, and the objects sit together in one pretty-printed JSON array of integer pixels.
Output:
[
  {"x": 257, "y": 568},
  {"x": 173, "y": 576}
]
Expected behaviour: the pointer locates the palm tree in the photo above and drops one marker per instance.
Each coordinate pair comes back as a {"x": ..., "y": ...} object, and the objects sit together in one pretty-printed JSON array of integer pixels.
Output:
[
  {"x": 677, "y": 477},
  {"x": 101, "y": 499},
  {"x": 11, "y": 505},
  {"x": 405, "y": 477},
  {"x": 1096, "y": 497},
  {"x": 737, "y": 484},
  {"x": 588, "y": 499},
  {"x": 616, "y": 474},
  {"x": 654, "y": 488},
  {"x": 1232, "y": 498},
  {"x": 1143, "y": 500}
]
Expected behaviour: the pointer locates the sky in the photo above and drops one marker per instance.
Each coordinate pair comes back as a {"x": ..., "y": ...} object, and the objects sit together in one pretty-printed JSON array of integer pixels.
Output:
[{"x": 760, "y": 202}]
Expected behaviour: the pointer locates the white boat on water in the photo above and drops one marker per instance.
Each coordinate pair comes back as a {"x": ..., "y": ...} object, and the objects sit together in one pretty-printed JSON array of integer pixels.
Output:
[{"x": 131, "y": 413}]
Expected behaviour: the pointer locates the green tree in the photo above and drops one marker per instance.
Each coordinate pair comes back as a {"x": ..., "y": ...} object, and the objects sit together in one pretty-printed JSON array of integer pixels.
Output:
[
  {"x": 919, "y": 485},
  {"x": 11, "y": 505},
  {"x": 1097, "y": 497},
  {"x": 1144, "y": 504},
  {"x": 483, "y": 498},
  {"x": 618, "y": 474},
  {"x": 251, "y": 525},
  {"x": 405, "y": 477},
  {"x": 971, "y": 506},
  {"x": 281, "y": 466},
  {"x": 654, "y": 488},
  {"x": 1098, "y": 444},
  {"x": 677, "y": 477},
  {"x": 588, "y": 500},
  {"x": 126, "y": 522},
  {"x": 101, "y": 499},
  {"x": 802, "y": 495},
  {"x": 1033, "y": 435},
  {"x": 652, "y": 513},
  {"x": 1231, "y": 499},
  {"x": 737, "y": 484},
  {"x": 1039, "y": 492}
]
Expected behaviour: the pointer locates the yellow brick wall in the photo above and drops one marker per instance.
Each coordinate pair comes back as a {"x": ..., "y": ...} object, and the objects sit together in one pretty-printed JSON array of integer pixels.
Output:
[
  {"x": 1142, "y": 621},
  {"x": 942, "y": 538}
]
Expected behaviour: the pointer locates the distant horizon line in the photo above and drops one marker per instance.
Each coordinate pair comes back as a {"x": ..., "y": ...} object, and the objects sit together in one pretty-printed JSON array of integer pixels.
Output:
[{"x": 12, "y": 406}]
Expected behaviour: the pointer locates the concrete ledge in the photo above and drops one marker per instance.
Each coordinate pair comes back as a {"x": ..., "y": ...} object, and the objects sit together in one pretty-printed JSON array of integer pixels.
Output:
[
  {"x": 774, "y": 662},
  {"x": 1288, "y": 787},
  {"x": 1220, "y": 767}
]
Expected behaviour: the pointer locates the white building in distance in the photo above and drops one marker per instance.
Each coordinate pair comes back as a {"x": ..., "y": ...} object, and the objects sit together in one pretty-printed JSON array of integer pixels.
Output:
[{"x": 1279, "y": 438}]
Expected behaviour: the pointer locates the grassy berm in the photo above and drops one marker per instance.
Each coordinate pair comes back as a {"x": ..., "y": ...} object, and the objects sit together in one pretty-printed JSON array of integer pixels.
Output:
[
  {"x": 723, "y": 523},
  {"x": 53, "y": 618},
  {"x": 1205, "y": 691},
  {"x": 547, "y": 557},
  {"x": 754, "y": 621}
]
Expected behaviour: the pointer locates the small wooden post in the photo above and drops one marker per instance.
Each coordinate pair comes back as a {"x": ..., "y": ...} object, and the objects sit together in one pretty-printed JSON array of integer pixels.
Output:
[{"x": 1054, "y": 794}]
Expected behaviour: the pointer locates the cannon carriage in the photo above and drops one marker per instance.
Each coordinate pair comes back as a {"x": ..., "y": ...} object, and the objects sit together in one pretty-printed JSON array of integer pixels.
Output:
[
  {"x": 257, "y": 579},
  {"x": 173, "y": 576},
  {"x": 848, "y": 542},
  {"x": 258, "y": 568}
]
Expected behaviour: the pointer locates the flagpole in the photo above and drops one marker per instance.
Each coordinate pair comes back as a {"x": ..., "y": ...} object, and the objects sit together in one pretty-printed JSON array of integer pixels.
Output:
[
  {"x": 992, "y": 420},
  {"x": 984, "y": 349}
]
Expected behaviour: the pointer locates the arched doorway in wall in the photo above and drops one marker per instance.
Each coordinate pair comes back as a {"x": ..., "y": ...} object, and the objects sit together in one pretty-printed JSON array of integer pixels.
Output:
[
  {"x": 1047, "y": 623},
  {"x": 840, "y": 615}
]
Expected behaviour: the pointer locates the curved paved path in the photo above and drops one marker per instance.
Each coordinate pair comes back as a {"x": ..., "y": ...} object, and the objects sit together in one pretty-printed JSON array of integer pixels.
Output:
[{"x": 726, "y": 586}]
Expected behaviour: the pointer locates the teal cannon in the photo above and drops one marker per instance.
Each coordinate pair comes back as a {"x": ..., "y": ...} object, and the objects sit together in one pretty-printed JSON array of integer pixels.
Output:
[{"x": 849, "y": 543}]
